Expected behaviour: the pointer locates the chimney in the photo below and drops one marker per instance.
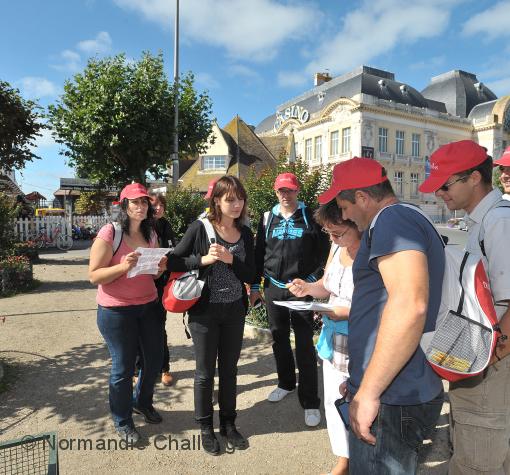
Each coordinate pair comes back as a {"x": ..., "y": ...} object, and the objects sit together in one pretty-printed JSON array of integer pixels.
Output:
[{"x": 321, "y": 78}]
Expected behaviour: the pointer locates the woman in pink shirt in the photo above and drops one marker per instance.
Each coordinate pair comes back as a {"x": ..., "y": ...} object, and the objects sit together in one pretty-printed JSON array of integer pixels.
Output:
[{"x": 126, "y": 315}]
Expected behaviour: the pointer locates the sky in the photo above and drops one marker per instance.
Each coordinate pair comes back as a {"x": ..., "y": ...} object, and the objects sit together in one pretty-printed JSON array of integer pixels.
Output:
[{"x": 250, "y": 55}]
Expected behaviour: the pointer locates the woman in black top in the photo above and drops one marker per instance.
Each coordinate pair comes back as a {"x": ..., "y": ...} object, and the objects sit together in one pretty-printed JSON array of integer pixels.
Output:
[
  {"x": 216, "y": 321},
  {"x": 166, "y": 238}
]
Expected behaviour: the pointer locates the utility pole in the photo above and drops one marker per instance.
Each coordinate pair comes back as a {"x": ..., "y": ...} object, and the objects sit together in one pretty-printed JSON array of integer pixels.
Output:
[{"x": 175, "y": 155}]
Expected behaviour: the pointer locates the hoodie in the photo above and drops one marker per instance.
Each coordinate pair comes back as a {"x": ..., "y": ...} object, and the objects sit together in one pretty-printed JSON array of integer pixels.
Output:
[{"x": 290, "y": 248}]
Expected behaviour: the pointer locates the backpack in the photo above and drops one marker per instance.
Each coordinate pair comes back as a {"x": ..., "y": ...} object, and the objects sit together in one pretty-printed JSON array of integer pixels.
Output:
[
  {"x": 117, "y": 236},
  {"x": 467, "y": 329},
  {"x": 184, "y": 289}
]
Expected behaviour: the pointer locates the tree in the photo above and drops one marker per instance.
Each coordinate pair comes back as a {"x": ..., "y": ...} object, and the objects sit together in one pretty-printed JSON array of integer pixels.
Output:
[
  {"x": 91, "y": 202},
  {"x": 19, "y": 127},
  {"x": 116, "y": 120},
  {"x": 261, "y": 196},
  {"x": 183, "y": 206}
]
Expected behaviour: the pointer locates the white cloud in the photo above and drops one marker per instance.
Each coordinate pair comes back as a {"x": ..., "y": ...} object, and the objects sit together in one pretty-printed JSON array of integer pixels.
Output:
[
  {"x": 429, "y": 63},
  {"x": 101, "y": 44},
  {"x": 69, "y": 61},
  {"x": 293, "y": 79},
  {"x": 45, "y": 140},
  {"x": 493, "y": 22},
  {"x": 500, "y": 86},
  {"x": 252, "y": 30},
  {"x": 206, "y": 80},
  {"x": 378, "y": 27},
  {"x": 37, "y": 87},
  {"x": 243, "y": 71}
]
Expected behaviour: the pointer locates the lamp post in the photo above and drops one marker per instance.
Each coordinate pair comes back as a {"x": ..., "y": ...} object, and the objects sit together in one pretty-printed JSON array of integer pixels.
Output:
[{"x": 175, "y": 154}]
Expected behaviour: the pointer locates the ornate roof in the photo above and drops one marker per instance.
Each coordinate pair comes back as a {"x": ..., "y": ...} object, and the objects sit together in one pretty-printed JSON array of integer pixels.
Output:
[
  {"x": 460, "y": 91},
  {"x": 363, "y": 80}
]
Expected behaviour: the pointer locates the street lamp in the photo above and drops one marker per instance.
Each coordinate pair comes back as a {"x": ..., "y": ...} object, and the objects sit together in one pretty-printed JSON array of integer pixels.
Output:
[{"x": 175, "y": 159}]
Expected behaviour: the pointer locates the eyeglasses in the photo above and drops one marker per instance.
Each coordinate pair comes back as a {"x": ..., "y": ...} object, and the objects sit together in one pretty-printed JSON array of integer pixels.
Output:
[
  {"x": 334, "y": 235},
  {"x": 446, "y": 186},
  {"x": 285, "y": 191}
]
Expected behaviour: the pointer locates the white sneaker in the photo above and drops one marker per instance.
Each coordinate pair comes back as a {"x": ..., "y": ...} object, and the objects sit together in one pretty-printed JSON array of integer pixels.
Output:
[
  {"x": 312, "y": 417},
  {"x": 276, "y": 395}
]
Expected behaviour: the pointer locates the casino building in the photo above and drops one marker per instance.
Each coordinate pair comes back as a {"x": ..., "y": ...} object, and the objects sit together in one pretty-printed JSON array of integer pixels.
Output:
[{"x": 366, "y": 112}]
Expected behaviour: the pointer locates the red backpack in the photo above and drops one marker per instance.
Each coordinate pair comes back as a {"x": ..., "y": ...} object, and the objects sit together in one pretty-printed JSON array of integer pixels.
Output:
[{"x": 183, "y": 289}]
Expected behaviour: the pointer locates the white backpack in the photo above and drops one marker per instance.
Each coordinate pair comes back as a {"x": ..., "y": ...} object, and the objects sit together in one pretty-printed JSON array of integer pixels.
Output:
[{"x": 467, "y": 330}]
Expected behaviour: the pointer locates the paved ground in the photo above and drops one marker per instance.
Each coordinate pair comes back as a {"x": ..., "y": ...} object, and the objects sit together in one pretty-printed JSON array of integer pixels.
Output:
[{"x": 51, "y": 338}]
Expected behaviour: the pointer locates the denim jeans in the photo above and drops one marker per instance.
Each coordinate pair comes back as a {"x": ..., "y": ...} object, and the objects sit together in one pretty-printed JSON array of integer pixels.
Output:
[
  {"x": 126, "y": 331},
  {"x": 280, "y": 320},
  {"x": 217, "y": 334},
  {"x": 399, "y": 432}
]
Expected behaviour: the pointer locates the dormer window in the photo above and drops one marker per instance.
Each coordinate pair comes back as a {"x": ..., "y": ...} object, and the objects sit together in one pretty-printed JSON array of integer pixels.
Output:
[{"x": 214, "y": 162}]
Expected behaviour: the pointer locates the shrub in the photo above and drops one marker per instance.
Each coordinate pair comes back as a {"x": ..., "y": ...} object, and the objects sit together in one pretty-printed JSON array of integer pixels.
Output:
[
  {"x": 183, "y": 206},
  {"x": 26, "y": 248},
  {"x": 8, "y": 213},
  {"x": 261, "y": 196},
  {"x": 15, "y": 274}
]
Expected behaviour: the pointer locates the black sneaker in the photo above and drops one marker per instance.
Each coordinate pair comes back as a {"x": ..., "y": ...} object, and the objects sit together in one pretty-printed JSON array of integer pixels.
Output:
[
  {"x": 234, "y": 437},
  {"x": 209, "y": 441},
  {"x": 129, "y": 434},
  {"x": 149, "y": 414}
]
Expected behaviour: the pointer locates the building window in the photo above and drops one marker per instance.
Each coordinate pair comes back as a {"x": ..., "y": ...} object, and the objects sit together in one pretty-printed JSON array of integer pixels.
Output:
[
  {"x": 415, "y": 145},
  {"x": 415, "y": 178},
  {"x": 308, "y": 150},
  {"x": 398, "y": 179},
  {"x": 346, "y": 140},
  {"x": 399, "y": 149},
  {"x": 214, "y": 162},
  {"x": 333, "y": 143},
  {"x": 383, "y": 139},
  {"x": 296, "y": 148},
  {"x": 318, "y": 148}
]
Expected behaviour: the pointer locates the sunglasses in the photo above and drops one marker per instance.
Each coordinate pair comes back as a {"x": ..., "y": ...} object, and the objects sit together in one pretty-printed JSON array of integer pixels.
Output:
[
  {"x": 334, "y": 235},
  {"x": 446, "y": 186}
]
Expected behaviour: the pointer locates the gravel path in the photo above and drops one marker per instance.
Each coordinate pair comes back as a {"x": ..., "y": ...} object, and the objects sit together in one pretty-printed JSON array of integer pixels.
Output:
[{"x": 50, "y": 338}]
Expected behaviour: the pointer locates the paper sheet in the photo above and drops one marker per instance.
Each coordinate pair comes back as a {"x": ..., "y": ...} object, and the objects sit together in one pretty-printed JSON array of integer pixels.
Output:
[
  {"x": 300, "y": 305},
  {"x": 148, "y": 261}
]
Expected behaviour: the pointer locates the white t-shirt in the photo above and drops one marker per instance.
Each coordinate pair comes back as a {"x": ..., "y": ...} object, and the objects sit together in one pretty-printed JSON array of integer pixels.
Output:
[{"x": 496, "y": 237}]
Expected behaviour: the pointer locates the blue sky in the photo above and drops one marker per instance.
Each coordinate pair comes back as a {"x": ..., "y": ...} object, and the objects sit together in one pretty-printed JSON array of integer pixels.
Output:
[{"x": 251, "y": 55}]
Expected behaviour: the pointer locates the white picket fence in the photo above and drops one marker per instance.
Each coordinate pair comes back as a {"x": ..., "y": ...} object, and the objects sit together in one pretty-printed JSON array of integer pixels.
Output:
[{"x": 24, "y": 229}]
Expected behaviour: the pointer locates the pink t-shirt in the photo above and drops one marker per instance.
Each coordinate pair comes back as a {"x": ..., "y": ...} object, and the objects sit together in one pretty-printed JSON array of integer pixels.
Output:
[{"x": 123, "y": 291}]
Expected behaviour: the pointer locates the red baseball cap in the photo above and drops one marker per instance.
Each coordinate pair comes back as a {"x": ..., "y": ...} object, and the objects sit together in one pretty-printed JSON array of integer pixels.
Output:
[
  {"x": 286, "y": 180},
  {"x": 353, "y": 174},
  {"x": 210, "y": 188},
  {"x": 504, "y": 159},
  {"x": 133, "y": 191},
  {"x": 451, "y": 159}
]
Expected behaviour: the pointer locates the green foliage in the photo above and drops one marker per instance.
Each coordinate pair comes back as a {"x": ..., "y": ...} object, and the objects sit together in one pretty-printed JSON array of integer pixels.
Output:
[
  {"x": 116, "y": 119},
  {"x": 261, "y": 196},
  {"x": 183, "y": 206},
  {"x": 15, "y": 274},
  {"x": 8, "y": 213},
  {"x": 91, "y": 202},
  {"x": 19, "y": 127},
  {"x": 496, "y": 175}
]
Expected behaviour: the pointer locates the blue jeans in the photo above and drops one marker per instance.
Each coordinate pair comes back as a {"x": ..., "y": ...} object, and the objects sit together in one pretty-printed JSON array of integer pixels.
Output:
[
  {"x": 399, "y": 432},
  {"x": 127, "y": 330}
]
